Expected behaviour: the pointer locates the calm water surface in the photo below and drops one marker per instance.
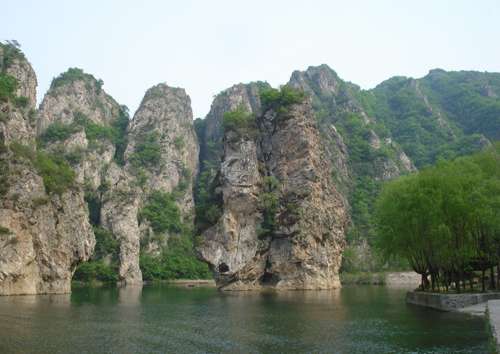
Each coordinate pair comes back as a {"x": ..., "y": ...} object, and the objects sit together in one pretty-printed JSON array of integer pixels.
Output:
[{"x": 163, "y": 319}]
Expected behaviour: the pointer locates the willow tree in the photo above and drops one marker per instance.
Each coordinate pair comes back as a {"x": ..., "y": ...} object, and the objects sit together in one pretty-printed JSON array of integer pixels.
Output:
[{"x": 445, "y": 220}]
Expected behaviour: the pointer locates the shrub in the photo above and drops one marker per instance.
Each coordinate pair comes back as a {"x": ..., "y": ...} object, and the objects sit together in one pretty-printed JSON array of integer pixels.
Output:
[
  {"x": 178, "y": 261},
  {"x": 74, "y": 156},
  {"x": 21, "y": 102},
  {"x": 162, "y": 213},
  {"x": 179, "y": 143},
  {"x": 280, "y": 99},
  {"x": 147, "y": 152},
  {"x": 94, "y": 206},
  {"x": 240, "y": 121},
  {"x": 4, "y": 231},
  {"x": 208, "y": 205},
  {"x": 75, "y": 74},
  {"x": 57, "y": 175},
  {"x": 120, "y": 126},
  {"x": 8, "y": 86},
  {"x": 106, "y": 243},
  {"x": 269, "y": 203},
  {"x": 95, "y": 270},
  {"x": 58, "y": 132}
]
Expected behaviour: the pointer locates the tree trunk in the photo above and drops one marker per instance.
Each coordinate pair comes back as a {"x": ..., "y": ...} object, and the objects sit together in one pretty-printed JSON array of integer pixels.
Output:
[
  {"x": 483, "y": 284},
  {"x": 492, "y": 278}
]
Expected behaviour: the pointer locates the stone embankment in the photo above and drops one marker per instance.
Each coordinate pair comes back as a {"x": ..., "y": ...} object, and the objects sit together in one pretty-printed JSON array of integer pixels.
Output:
[
  {"x": 449, "y": 302},
  {"x": 493, "y": 314}
]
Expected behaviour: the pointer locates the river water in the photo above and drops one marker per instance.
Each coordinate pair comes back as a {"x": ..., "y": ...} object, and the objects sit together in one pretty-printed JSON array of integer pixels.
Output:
[{"x": 165, "y": 319}]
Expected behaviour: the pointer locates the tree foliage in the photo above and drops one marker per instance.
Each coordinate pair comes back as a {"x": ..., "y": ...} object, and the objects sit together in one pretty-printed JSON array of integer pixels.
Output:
[
  {"x": 56, "y": 173},
  {"x": 147, "y": 152},
  {"x": 240, "y": 121},
  {"x": 162, "y": 213},
  {"x": 76, "y": 74},
  {"x": 281, "y": 99},
  {"x": 444, "y": 220}
]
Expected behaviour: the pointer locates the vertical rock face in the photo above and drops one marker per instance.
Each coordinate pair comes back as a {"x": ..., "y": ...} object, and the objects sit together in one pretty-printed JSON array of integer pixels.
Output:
[
  {"x": 361, "y": 156},
  {"x": 283, "y": 162},
  {"x": 306, "y": 250},
  {"x": 165, "y": 113},
  {"x": 13, "y": 62},
  {"x": 333, "y": 101},
  {"x": 76, "y": 101},
  {"x": 43, "y": 234},
  {"x": 17, "y": 122},
  {"x": 162, "y": 126},
  {"x": 241, "y": 95},
  {"x": 75, "y": 91}
]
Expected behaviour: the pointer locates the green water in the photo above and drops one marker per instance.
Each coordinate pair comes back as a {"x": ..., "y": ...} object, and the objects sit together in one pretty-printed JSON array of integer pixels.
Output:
[{"x": 163, "y": 319}]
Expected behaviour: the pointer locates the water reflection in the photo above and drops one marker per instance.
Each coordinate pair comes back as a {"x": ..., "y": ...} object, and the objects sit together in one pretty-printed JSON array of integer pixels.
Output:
[{"x": 158, "y": 319}]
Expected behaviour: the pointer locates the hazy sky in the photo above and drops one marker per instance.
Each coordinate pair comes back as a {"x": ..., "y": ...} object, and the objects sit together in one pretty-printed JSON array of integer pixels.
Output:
[{"x": 207, "y": 46}]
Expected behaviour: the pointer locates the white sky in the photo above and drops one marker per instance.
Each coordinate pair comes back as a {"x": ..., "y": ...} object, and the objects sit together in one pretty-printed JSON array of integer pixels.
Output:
[{"x": 207, "y": 46}]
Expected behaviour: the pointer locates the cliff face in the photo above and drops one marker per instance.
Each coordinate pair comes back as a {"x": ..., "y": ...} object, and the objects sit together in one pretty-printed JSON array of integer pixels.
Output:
[
  {"x": 338, "y": 105},
  {"x": 285, "y": 181},
  {"x": 44, "y": 230},
  {"x": 161, "y": 157},
  {"x": 166, "y": 119},
  {"x": 282, "y": 218}
]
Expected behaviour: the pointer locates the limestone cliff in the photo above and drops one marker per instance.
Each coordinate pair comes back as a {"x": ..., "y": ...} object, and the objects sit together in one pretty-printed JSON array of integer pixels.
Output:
[
  {"x": 161, "y": 157},
  {"x": 337, "y": 104},
  {"x": 283, "y": 220},
  {"x": 44, "y": 228}
]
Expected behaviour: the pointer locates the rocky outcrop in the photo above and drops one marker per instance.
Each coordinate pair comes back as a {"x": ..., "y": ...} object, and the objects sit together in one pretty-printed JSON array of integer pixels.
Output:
[
  {"x": 14, "y": 63},
  {"x": 76, "y": 92},
  {"x": 335, "y": 101},
  {"x": 283, "y": 219},
  {"x": 165, "y": 117},
  {"x": 161, "y": 156},
  {"x": 240, "y": 95},
  {"x": 77, "y": 101},
  {"x": 44, "y": 237},
  {"x": 44, "y": 234}
]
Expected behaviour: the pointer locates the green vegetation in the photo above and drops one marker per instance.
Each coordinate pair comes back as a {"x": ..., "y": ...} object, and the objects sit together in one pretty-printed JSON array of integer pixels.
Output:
[
  {"x": 281, "y": 99},
  {"x": 177, "y": 261},
  {"x": 240, "y": 121},
  {"x": 445, "y": 220},
  {"x": 76, "y": 74},
  {"x": 11, "y": 53},
  {"x": 4, "y": 230},
  {"x": 94, "y": 132},
  {"x": 106, "y": 244},
  {"x": 57, "y": 175},
  {"x": 97, "y": 269},
  {"x": 269, "y": 203},
  {"x": 120, "y": 126},
  {"x": 439, "y": 116},
  {"x": 8, "y": 86},
  {"x": 162, "y": 213},
  {"x": 179, "y": 143},
  {"x": 58, "y": 132},
  {"x": 94, "y": 204},
  {"x": 147, "y": 152},
  {"x": 208, "y": 203}
]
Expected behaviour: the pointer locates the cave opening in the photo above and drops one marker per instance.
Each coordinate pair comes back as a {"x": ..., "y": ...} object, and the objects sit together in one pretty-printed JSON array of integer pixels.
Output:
[{"x": 223, "y": 268}]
